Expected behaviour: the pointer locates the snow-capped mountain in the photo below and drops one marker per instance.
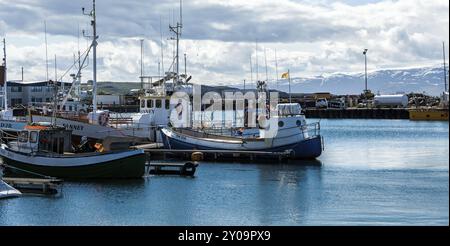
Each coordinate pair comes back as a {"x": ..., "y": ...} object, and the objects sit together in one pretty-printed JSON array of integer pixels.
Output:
[{"x": 425, "y": 79}]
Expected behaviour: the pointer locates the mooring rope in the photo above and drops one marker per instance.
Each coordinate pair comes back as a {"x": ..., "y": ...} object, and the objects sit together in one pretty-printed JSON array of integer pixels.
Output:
[{"x": 26, "y": 171}]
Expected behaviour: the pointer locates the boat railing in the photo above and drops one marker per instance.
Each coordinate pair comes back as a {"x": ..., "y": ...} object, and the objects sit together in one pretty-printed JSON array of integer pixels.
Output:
[{"x": 310, "y": 130}]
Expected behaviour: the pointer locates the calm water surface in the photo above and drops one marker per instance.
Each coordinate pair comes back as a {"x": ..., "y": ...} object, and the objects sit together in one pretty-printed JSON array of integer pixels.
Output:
[{"x": 372, "y": 172}]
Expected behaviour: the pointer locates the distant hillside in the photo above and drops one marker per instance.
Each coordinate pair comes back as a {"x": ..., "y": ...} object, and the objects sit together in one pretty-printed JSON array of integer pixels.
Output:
[
  {"x": 428, "y": 79},
  {"x": 117, "y": 87}
]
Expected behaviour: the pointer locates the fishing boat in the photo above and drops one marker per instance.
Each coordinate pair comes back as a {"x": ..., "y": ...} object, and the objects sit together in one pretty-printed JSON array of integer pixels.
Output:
[
  {"x": 294, "y": 135},
  {"x": 47, "y": 150}
]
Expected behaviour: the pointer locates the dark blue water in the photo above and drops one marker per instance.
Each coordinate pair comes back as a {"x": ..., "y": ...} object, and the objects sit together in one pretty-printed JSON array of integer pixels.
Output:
[{"x": 373, "y": 172}]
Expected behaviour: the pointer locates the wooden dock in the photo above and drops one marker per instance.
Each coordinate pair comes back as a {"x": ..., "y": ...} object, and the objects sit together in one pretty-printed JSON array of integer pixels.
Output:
[
  {"x": 34, "y": 185},
  {"x": 218, "y": 155}
]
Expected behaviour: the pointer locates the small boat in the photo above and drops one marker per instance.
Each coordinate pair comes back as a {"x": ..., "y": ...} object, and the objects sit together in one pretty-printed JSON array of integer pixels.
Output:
[
  {"x": 302, "y": 140},
  {"x": 6, "y": 191},
  {"x": 47, "y": 150}
]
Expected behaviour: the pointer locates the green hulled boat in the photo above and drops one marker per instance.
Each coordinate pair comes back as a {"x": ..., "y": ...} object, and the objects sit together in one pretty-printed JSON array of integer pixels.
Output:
[{"x": 47, "y": 150}]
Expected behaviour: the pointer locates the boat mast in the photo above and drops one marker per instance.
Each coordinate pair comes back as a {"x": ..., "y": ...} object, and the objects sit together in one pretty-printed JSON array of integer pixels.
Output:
[
  {"x": 445, "y": 69},
  {"x": 93, "y": 15},
  {"x": 251, "y": 69},
  {"x": 276, "y": 66},
  {"x": 46, "y": 54},
  {"x": 142, "y": 64},
  {"x": 5, "y": 94},
  {"x": 162, "y": 53},
  {"x": 177, "y": 30},
  {"x": 265, "y": 61},
  {"x": 257, "y": 68}
]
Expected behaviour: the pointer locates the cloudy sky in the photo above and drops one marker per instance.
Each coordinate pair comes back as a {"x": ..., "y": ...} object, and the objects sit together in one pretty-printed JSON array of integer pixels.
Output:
[{"x": 219, "y": 37}]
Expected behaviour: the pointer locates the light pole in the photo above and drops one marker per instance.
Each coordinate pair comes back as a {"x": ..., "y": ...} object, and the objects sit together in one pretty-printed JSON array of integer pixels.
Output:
[{"x": 365, "y": 67}]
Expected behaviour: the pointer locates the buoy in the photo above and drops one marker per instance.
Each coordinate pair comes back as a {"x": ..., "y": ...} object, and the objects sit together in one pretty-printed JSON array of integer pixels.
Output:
[{"x": 197, "y": 156}]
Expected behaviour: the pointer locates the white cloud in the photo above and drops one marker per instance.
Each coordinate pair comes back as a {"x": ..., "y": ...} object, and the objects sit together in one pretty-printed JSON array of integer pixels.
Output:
[{"x": 311, "y": 37}]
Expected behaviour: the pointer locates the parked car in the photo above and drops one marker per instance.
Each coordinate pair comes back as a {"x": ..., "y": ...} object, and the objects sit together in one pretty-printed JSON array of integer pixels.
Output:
[{"x": 321, "y": 103}]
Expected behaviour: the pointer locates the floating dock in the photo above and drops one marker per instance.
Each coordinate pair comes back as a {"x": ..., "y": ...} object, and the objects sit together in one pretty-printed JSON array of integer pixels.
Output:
[
  {"x": 213, "y": 154},
  {"x": 172, "y": 168},
  {"x": 34, "y": 185}
]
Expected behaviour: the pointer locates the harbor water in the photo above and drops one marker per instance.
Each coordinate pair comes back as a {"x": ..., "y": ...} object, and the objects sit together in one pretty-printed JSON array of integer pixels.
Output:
[{"x": 372, "y": 172}]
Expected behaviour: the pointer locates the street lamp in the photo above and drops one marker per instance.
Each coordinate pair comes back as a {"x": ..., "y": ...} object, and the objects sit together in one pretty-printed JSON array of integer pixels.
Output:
[{"x": 365, "y": 67}]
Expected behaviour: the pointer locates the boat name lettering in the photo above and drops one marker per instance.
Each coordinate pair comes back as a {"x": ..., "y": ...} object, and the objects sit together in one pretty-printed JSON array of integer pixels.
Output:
[
  {"x": 73, "y": 127},
  {"x": 5, "y": 125}
]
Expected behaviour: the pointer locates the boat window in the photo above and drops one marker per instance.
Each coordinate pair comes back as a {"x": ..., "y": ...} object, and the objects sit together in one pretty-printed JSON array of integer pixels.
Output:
[
  {"x": 167, "y": 104},
  {"x": 158, "y": 103},
  {"x": 55, "y": 145},
  {"x": 33, "y": 137},
  {"x": 61, "y": 146},
  {"x": 280, "y": 123},
  {"x": 23, "y": 136},
  {"x": 143, "y": 103},
  {"x": 298, "y": 122},
  {"x": 150, "y": 103}
]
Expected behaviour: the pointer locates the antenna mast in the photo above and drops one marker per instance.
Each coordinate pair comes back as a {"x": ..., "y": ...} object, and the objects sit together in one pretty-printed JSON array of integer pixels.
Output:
[
  {"x": 94, "y": 37},
  {"x": 276, "y": 66},
  {"x": 142, "y": 63},
  {"x": 46, "y": 53},
  {"x": 445, "y": 69},
  {"x": 5, "y": 86},
  {"x": 162, "y": 50},
  {"x": 257, "y": 69},
  {"x": 265, "y": 60},
  {"x": 251, "y": 69},
  {"x": 177, "y": 30}
]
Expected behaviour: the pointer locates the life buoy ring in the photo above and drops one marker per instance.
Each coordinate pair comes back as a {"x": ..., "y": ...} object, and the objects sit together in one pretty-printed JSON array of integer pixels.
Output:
[{"x": 103, "y": 119}]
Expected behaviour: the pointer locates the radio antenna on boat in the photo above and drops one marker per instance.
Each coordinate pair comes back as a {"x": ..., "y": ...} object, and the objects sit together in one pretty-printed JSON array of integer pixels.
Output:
[
  {"x": 265, "y": 61},
  {"x": 177, "y": 31},
  {"x": 5, "y": 85},
  {"x": 162, "y": 49},
  {"x": 251, "y": 68},
  {"x": 142, "y": 63},
  {"x": 256, "y": 54},
  {"x": 445, "y": 69},
  {"x": 46, "y": 53},
  {"x": 94, "y": 37},
  {"x": 276, "y": 66}
]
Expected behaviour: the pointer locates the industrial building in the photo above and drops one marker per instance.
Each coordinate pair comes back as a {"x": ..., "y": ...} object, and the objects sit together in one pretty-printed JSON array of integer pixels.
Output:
[{"x": 29, "y": 93}]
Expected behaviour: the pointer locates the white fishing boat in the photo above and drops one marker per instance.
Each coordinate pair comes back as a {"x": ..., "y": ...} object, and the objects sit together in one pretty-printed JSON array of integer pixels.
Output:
[{"x": 302, "y": 140}]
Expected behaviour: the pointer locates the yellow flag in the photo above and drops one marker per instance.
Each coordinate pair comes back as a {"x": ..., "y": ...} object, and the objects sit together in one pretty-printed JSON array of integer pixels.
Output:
[{"x": 285, "y": 75}]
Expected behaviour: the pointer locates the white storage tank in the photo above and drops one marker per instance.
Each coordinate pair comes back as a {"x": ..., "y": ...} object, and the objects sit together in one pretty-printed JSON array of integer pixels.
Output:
[{"x": 391, "y": 100}]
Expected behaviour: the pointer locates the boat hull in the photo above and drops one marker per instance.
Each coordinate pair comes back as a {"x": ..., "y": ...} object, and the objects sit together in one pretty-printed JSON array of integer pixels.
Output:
[
  {"x": 309, "y": 148},
  {"x": 429, "y": 114},
  {"x": 129, "y": 166},
  {"x": 97, "y": 131}
]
